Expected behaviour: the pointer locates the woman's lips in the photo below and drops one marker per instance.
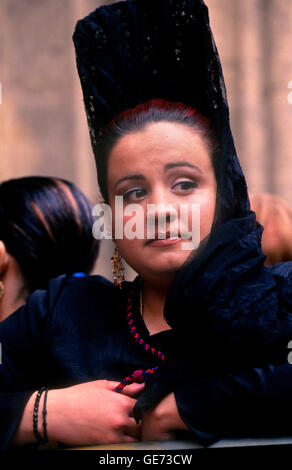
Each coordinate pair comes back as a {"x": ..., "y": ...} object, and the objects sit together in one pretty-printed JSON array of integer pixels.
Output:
[{"x": 164, "y": 241}]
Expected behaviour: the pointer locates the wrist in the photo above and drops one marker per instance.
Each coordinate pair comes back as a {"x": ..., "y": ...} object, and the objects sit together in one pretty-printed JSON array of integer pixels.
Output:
[
  {"x": 56, "y": 419},
  {"x": 39, "y": 416}
]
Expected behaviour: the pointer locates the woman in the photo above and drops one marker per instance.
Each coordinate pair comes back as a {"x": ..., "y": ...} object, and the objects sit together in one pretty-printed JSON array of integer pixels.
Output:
[
  {"x": 86, "y": 339},
  {"x": 45, "y": 231}
]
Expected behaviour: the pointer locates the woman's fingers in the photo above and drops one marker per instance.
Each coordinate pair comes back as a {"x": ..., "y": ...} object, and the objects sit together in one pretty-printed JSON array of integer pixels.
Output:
[
  {"x": 107, "y": 384},
  {"x": 133, "y": 390},
  {"x": 128, "y": 400},
  {"x": 132, "y": 429}
]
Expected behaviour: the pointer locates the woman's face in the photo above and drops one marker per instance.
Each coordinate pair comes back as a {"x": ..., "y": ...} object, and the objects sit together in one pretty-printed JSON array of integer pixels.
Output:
[{"x": 169, "y": 164}]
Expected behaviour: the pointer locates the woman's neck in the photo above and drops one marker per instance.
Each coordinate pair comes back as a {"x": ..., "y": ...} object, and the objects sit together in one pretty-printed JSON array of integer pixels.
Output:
[{"x": 153, "y": 298}]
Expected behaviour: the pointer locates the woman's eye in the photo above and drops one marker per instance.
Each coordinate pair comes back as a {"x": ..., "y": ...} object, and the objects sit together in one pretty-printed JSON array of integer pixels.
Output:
[
  {"x": 136, "y": 193},
  {"x": 185, "y": 185}
]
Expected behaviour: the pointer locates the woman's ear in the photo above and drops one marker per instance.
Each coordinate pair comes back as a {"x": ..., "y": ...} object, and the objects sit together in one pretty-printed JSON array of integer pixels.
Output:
[{"x": 3, "y": 258}]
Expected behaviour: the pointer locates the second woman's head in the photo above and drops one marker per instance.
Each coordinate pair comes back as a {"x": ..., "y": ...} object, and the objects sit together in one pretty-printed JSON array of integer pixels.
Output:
[
  {"x": 45, "y": 231},
  {"x": 159, "y": 153}
]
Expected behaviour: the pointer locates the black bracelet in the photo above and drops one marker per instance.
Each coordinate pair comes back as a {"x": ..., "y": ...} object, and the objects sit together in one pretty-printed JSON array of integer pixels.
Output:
[
  {"x": 37, "y": 435},
  {"x": 45, "y": 416}
]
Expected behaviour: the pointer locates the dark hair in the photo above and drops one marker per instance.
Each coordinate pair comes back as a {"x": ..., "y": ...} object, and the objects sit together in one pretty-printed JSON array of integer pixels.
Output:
[
  {"x": 46, "y": 225},
  {"x": 135, "y": 119}
]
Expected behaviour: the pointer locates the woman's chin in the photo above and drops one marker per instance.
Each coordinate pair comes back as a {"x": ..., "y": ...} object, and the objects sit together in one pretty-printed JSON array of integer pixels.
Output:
[{"x": 165, "y": 262}]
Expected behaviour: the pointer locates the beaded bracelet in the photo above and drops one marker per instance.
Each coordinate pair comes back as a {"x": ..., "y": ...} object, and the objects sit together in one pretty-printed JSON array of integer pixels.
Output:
[
  {"x": 45, "y": 416},
  {"x": 35, "y": 417}
]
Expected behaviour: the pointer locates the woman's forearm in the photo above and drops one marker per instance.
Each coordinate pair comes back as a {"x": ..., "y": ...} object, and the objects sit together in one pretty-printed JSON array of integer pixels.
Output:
[
  {"x": 79, "y": 415},
  {"x": 25, "y": 434}
]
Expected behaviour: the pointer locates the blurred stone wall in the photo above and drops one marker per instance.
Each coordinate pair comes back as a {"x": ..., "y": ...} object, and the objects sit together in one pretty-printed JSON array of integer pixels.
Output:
[
  {"x": 254, "y": 40},
  {"x": 43, "y": 127}
]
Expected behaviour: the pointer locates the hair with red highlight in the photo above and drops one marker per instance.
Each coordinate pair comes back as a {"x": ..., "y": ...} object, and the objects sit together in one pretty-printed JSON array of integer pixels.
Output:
[{"x": 137, "y": 118}]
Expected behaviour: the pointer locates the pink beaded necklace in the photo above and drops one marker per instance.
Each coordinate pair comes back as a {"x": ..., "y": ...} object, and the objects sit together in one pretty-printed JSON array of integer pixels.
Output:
[{"x": 138, "y": 376}]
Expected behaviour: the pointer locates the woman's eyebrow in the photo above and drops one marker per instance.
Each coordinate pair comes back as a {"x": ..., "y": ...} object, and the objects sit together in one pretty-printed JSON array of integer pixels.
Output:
[
  {"x": 137, "y": 176},
  {"x": 175, "y": 164}
]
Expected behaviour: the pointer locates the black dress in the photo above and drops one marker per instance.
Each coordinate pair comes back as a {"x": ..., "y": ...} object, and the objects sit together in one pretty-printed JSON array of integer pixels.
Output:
[{"x": 77, "y": 331}]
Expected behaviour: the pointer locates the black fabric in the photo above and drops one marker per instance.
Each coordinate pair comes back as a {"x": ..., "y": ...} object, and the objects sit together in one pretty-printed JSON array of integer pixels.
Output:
[
  {"x": 77, "y": 331},
  {"x": 249, "y": 403},
  {"x": 229, "y": 312}
]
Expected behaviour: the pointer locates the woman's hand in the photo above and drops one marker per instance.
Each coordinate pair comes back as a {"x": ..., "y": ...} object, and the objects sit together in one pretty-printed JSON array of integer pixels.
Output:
[
  {"x": 85, "y": 414},
  {"x": 160, "y": 423}
]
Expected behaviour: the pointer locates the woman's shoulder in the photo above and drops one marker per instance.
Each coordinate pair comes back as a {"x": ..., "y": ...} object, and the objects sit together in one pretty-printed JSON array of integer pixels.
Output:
[
  {"x": 95, "y": 285},
  {"x": 70, "y": 296},
  {"x": 71, "y": 306},
  {"x": 80, "y": 283},
  {"x": 82, "y": 303},
  {"x": 82, "y": 290},
  {"x": 86, "y": 293}
]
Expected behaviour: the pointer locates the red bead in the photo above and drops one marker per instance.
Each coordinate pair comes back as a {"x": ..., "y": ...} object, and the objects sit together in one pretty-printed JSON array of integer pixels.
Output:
[{"x": 138, "y": 376}]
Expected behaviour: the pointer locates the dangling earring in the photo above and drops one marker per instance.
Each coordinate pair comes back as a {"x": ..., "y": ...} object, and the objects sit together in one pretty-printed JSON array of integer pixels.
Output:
[
  {"x": 2, "y": 289},
  {"x": 118, "y": 268}
]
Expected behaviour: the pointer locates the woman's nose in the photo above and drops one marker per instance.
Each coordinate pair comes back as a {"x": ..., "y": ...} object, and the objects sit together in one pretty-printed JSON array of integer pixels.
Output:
[{"x": 160, "y": 207}]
